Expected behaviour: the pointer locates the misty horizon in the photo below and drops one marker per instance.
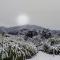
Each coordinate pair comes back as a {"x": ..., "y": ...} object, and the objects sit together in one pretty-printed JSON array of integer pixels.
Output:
[{"x": 40, "y": 12}]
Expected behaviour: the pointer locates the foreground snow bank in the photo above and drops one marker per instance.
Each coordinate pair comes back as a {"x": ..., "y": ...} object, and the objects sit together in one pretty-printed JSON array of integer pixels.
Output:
[{"x": 43, "y": 56}]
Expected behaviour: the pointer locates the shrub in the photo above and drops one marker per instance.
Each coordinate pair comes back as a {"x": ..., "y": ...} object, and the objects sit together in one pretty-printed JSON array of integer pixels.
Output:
[
  {"x": 46, "y": 34},
  {"x": 52, "y": 46},
  {"x": 30, "y": 34},
  {"x": 17, "y": 50},
  {"x": 45, "y": 48}
]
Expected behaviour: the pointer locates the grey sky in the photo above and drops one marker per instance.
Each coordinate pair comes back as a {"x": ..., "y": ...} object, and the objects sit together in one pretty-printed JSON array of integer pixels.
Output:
[{"x": 45, "y": 13}]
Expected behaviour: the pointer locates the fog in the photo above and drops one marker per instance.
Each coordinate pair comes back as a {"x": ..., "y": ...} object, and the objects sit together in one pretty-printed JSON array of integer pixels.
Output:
[{"x": 45, "y": 13}]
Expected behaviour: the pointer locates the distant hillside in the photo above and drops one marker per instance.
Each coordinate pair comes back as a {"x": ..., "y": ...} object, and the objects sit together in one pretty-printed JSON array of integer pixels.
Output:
[{"x": 25, "y": 28}]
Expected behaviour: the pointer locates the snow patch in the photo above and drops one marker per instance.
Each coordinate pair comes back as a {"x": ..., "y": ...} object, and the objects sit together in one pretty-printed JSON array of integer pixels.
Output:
[{"x": 43, "y": 56}]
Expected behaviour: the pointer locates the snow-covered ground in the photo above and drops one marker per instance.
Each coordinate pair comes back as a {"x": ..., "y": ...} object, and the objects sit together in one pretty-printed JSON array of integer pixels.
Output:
[{"x": 44, "y": 56}]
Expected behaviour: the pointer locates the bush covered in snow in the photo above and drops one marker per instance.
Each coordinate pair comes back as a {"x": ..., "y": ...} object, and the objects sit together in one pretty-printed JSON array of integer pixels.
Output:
[
  {"x": 52, "y": 46},
  {"x": 12, "y": 49}
]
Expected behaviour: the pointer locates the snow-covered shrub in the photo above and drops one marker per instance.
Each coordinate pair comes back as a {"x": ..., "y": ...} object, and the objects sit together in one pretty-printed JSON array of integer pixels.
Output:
[
  {"x": 31, "y": 33},
  {"x": 16, "y": 49},
  {"x": 31, "y": 49},
  {"x": 45, "y": 48},
  {"x": 52, "y": 46},
  {"x": 46, "y": 34},
  {"x": 54, "y": 41},
  {"x": 36, "y": 40}
]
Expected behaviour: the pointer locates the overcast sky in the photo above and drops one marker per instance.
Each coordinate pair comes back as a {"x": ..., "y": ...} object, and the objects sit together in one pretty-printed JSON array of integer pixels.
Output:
[{"x": 44, "y": 13}]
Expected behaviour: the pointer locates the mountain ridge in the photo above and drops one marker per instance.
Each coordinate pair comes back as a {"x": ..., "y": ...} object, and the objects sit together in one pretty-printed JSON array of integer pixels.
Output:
[{"x": 26, "y": 28}]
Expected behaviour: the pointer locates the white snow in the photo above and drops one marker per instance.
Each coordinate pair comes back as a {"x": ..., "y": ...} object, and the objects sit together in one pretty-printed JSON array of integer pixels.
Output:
[{"x": 43, "y": 56}]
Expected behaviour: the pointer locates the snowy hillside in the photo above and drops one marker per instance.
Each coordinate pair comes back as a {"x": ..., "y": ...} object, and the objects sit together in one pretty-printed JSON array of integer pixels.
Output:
[{"x": 30, "y": 41}]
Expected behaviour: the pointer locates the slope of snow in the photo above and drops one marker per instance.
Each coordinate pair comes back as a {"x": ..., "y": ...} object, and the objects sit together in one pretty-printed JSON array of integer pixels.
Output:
[{"x": 44, "y": 56}]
